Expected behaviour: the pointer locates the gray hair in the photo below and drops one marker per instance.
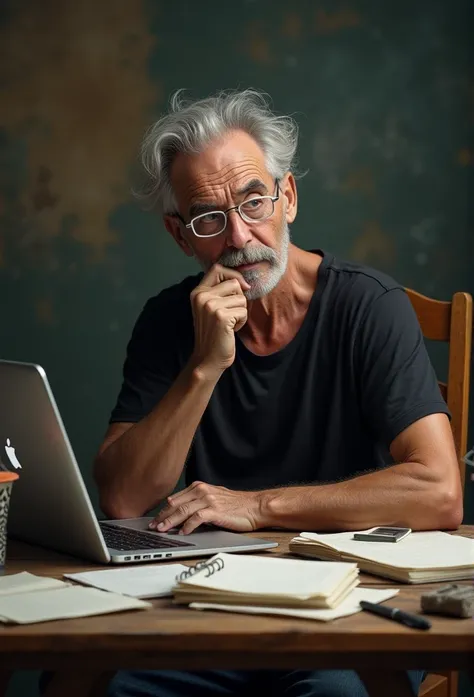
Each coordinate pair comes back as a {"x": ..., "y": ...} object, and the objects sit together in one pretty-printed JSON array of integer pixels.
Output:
[{"x": 189, "y": 127}]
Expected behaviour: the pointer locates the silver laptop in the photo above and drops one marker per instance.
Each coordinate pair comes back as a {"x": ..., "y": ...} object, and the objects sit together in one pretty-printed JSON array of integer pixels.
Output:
[{"x": 50, "y": 505}]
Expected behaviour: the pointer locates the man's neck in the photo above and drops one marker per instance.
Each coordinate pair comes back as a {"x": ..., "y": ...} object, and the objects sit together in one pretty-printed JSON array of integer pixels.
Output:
[{"x": 274, "y": 320}]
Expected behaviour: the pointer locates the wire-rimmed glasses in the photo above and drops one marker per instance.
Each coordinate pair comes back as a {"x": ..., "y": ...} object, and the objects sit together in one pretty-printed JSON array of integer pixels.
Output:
[{"x": 253, "y": 210}]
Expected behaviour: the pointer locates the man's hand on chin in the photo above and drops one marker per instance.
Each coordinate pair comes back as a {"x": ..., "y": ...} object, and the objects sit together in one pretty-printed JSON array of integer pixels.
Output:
[{"x": 203, "y": 503}]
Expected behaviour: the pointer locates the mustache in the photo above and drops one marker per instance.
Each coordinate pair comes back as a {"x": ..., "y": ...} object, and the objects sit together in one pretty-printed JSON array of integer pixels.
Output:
[{"x": 248, "y": 255}]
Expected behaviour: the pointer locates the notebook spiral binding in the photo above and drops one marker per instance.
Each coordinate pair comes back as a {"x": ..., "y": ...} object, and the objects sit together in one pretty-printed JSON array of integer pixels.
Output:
[{"x": 210, "y": 566}]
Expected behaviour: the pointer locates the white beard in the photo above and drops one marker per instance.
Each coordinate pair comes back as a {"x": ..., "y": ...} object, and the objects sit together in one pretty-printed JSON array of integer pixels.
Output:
[{"x": 262, "y": 281}]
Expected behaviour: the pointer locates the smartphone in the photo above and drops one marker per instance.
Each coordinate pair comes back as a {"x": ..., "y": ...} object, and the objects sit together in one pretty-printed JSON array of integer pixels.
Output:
[{"x": 383, "y": 534}]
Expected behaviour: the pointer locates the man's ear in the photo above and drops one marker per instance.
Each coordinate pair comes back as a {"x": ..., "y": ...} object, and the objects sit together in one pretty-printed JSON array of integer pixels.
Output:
[
  {"x": 174, "y": 227},
  {"x": 289, "y": 191}
]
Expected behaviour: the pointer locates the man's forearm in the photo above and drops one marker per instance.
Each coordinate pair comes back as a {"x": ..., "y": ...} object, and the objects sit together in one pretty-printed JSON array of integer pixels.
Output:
[
  {"x": 143, "y": 465},
  {"x": 403, "y": 495}
]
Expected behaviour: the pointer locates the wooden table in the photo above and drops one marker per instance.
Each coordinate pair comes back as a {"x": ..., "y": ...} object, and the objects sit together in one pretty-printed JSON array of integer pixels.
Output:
[{"x": 167, "y": 637}]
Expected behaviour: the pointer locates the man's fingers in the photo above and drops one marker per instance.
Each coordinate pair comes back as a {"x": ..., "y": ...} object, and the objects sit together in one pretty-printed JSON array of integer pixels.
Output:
[
  {"x": 173, "y": 505},
  {"x": 238, "y": 315},
  {"x": 218, "y": 274},
  {"x": 204, "y": 515},
  {"x": 180, "y": 515},
  {"x": 168, "y": 511},
  {"x": 193, "y": 489},
  {"x": 179, "y": 494},
  {"x": 230, "y": 288},
  {"x": 182, "y": 498},
  {"x": 227, "y": 303}
]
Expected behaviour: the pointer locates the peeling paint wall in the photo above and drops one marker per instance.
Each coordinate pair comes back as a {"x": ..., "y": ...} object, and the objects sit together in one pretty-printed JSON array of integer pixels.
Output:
[{"x": 383, "y": 93}]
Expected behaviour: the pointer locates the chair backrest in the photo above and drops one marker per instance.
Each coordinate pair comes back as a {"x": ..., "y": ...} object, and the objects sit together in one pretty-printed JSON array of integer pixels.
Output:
[{"x": 451, "y": 322}]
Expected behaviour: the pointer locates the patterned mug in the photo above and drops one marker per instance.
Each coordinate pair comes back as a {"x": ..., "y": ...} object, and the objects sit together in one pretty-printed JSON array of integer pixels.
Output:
[
  {"x": 6, "y": 482},
  {"x": 469, "y": 460}
]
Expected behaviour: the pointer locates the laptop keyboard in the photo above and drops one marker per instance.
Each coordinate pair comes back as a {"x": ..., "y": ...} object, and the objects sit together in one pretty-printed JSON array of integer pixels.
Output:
[{"x": 126, "y": 540}]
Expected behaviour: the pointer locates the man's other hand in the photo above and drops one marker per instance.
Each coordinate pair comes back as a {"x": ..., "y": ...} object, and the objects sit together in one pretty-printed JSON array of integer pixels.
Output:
[{"x": 202, "y": 503}]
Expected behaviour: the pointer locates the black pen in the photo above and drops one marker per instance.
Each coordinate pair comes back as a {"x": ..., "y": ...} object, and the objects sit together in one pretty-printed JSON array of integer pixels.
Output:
[{"x": 393, "y": 613}]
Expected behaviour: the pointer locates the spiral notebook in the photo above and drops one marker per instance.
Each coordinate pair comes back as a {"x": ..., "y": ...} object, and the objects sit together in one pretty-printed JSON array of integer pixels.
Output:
[
  {"x": 266, "y": 581},
  {"x": 422, "y": 557}
]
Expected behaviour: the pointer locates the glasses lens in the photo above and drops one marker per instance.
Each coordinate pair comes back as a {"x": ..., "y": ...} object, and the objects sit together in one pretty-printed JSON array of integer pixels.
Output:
[
  {"x": 209, "y": 224},
  {"x": 257, "y": 208}
]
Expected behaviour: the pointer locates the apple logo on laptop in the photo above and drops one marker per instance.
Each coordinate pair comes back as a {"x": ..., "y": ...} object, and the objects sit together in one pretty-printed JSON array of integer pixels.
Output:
[{"x": 10, "y": 451}]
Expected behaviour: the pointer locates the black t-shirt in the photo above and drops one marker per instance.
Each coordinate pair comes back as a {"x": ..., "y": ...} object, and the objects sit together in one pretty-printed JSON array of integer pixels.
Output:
[{"x": 324, "y": 408}]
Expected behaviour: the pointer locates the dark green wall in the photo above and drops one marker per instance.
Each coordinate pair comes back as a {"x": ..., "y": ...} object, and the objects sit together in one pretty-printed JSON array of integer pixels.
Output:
[{"x": 384, "y": 95}]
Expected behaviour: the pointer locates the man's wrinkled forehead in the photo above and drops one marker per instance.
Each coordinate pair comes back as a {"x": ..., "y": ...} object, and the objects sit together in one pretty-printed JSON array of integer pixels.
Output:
[{"x": 223, "y": 169}]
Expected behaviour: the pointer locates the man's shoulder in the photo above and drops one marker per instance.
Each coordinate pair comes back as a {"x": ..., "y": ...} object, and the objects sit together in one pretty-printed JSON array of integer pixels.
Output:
[
  {"x": 356, "y": 282},
  {"x": 353, "y": 292},
  {"x": 366, "y": 278}
]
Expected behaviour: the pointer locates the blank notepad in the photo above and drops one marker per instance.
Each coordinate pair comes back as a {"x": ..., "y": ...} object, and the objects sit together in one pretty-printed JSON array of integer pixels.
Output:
[
  {"x": 24, "y": 582},
  {"x": 62, "y": 603},
  {"x": 154, "y": 581}
]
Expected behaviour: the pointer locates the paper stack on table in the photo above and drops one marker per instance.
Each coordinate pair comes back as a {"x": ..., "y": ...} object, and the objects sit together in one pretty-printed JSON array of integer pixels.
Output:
[
  {"x": 349, "y": 606},
  {"x": 26, "y": 598},
  {"x": 277, "y": 586},
  {"x": 422, "y": 557},
  {"x": 251, "y": 579}
]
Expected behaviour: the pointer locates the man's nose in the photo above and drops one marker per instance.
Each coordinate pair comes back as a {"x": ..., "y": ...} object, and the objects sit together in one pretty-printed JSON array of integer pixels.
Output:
[{"x": 238, "y": 232}]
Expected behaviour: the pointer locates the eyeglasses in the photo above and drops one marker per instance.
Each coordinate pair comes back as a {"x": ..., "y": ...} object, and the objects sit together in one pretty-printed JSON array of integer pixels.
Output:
[{"x": 252, "y": 210}]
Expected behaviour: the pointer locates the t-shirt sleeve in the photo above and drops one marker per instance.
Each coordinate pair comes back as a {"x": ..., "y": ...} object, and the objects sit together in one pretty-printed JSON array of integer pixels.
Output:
[
  {"x": 397, "y": 382},
  {"x": 150, "y": 366}
]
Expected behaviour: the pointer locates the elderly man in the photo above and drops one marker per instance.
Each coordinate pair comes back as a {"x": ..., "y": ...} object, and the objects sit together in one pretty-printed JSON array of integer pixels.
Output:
[{"x": 293, "y": 389}]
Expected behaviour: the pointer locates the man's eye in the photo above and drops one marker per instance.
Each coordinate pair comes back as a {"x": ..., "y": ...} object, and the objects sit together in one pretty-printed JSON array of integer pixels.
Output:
[
  {"x": 209, "y": 218},
  {"x": 252, "y": 204}
]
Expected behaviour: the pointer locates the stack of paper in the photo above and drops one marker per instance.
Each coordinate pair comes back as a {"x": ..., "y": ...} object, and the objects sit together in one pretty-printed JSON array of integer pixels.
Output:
[
  {"x": 349, "y": 606},
  {"x": 268, "y": 581},
  {"x": 422, "y": 557},
  {"x": 26, "y": 598}
]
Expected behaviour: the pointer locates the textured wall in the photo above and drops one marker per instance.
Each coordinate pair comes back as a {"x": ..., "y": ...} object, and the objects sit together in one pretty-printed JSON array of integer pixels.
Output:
[{"x": 383, "y": 92}]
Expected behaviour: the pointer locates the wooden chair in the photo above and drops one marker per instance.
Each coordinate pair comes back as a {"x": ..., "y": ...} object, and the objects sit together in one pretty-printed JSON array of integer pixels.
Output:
[{"x": 450, "y": 322}]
